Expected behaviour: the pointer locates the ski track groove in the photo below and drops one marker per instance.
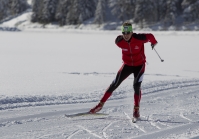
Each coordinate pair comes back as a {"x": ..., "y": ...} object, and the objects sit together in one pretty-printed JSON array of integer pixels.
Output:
[
  {"x": 151, "y": 122},
  {"x": 162, "y": 123},
  {"x": 105, "y": 128},
  {"x": 74, "y": 133},
  {"x": 166, "y": 86},
  {"x": 133, "y": 124},
  {"x": 168, "y": 131},
  {"x": 89, "y": 131},
  {"x": 182, "y": 115}
]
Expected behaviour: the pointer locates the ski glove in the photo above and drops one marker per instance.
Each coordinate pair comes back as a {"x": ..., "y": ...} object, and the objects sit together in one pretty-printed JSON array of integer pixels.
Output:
[{"x": 153, "y": 45}]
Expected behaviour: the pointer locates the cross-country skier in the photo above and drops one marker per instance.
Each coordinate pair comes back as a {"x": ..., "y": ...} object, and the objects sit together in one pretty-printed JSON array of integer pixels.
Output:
[{"x": 134, "y": 59}]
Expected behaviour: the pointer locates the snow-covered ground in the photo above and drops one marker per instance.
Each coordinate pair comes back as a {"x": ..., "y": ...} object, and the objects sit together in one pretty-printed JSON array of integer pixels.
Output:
[{"x": 46, "y": 73}]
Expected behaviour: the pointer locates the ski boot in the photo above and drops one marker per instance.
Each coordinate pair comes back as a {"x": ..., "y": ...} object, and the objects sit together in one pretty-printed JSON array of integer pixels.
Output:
[
  {"x": 136, "y": 113},
  {"x": 97, "y": 108}
]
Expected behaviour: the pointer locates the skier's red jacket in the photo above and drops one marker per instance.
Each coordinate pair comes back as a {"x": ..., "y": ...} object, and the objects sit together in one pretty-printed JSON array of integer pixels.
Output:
[{"x": 133, "y": 50}]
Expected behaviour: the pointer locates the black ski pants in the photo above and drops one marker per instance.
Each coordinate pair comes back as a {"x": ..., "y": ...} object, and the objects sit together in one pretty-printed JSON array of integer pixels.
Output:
[{"x": 124, "y": 72}]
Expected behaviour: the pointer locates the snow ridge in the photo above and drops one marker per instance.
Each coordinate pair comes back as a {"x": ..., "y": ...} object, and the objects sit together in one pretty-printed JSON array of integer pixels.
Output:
[{"x": 149, "y": 88}]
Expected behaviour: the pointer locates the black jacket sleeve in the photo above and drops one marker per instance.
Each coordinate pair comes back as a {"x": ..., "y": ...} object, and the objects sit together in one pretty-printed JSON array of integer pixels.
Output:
[{"x": 118, "y": 39}]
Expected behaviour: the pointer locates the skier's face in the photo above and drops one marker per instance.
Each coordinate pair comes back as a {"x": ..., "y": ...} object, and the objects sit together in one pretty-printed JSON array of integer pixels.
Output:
[{"x": 127, "y": 36}]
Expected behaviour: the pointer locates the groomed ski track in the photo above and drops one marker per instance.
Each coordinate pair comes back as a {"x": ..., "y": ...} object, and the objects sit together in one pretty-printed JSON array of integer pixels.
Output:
[{"x": 167, "y": 111}]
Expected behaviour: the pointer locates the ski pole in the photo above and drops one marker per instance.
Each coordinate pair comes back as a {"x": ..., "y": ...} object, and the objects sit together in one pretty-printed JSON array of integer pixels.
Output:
[{"x": 162, "y": 60}]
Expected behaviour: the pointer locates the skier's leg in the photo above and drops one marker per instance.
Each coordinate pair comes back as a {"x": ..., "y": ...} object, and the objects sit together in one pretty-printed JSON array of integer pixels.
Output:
[
  {"x": 122, "y": 74},
  {"x": 137, "y": 94},
  {"x": 138, "y": 77}
]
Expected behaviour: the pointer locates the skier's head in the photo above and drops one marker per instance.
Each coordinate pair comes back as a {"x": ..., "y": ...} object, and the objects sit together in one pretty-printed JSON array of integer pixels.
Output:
[{"x": 127, "y": 30}]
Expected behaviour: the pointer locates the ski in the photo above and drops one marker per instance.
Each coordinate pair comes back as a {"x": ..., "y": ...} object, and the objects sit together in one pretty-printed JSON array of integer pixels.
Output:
[{"x": 84, "y": 114}]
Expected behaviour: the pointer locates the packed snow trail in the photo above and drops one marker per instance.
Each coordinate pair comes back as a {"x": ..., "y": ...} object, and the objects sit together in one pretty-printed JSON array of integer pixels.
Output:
[
  {"x": 12, "y": 102},
  {"x": 165, "y": 113}
]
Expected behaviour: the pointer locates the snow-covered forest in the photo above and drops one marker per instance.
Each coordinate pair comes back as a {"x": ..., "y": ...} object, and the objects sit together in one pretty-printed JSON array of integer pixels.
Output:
[
  {"x": 143, "y": 13},
  {"x": 12, "y": 8}
]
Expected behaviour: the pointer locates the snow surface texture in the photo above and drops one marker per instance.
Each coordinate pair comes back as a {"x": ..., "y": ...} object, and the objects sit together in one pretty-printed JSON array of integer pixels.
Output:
[{"x": 46, "y": 74}]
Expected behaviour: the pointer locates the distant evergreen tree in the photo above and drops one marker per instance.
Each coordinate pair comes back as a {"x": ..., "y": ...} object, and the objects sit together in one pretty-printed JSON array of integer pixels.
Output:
[
  {"x": 172, "y": 12},
  {"x": 186, "y": 3},
  {"x": 74, "y": 12},
  {"x": 62, "y": 10},
  {"x": 100, "y": 13},
  {"x": 45, "y": 16},
  {"x": 3, "y": 10},
  {"x": 12, "y": 7},
  {"x": 117, "y": 9},
  {"x": 48, "y": 11},
  {"x": 80, "y": 11},
  {"x": 151, "y": 15},
  {"x": 161, "y": 9},
  {"x": 145, "y": 12},
  {"x": 190, "y": 10},
  {"x": 44, "y": 11},
  {"x": 18, "y": 6},
  {"x": 123, "y": 10},
  {"x": 195, "y": 11},
  {"x": 37, "y": 10}
]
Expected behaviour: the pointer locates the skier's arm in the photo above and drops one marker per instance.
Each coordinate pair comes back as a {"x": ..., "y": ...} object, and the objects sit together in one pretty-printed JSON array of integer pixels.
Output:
[
  {"x": 146, "y": 38},
  {"x": 151, "y": 39},
  {"x": 118, "y": 39}
]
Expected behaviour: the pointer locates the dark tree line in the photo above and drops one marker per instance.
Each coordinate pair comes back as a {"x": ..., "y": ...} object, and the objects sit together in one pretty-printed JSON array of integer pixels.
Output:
[
  {"x": 75, "y": 12},
  {"x": 67, "y": 12},
  {"x": 63, "y": 11}
]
